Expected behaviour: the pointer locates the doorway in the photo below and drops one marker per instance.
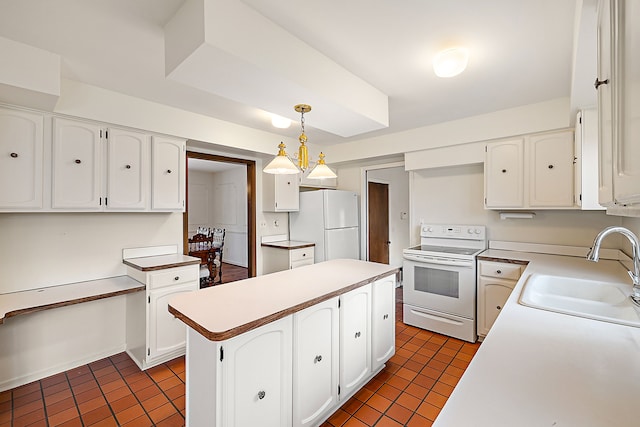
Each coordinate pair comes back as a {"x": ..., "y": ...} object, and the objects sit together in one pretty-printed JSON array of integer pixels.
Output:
[
  {"x": 225, "y": 199},
  {"x": 378, "y": 197}
]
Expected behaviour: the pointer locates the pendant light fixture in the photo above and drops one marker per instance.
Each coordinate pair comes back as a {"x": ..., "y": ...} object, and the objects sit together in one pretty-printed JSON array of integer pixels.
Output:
[{"x": 282, "y": 164}]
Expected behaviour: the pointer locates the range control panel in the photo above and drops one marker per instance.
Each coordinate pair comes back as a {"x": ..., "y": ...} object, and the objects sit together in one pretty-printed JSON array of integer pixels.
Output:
[{"x": 467, "y": 232}]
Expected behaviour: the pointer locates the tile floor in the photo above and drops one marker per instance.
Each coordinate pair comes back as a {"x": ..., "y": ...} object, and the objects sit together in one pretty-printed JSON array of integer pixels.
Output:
[{"x": 410, "y": 391}]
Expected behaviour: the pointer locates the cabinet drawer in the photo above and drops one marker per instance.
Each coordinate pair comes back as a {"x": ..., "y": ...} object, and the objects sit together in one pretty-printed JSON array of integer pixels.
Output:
[
  {"x": 497, "y": 269},
  {"x": 301, "y": 254},
  {"x": 173, "y": 276},
  {"x": 301, "y": 263}
]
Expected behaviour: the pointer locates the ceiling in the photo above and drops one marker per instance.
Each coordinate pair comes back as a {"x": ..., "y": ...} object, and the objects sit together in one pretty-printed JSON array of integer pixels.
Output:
[{"x": 520, "y": 53}]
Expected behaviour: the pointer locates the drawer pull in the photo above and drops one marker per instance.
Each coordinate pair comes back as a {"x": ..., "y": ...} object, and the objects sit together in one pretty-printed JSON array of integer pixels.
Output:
[
  {"x": 498, "y": 307},
  {"x": 14, "y": 155},
  {"x": 261, "y": 394},
  {"x": 357, "y": 335},
  {"x": 317, "y": 359},
  {"x": 550, "y": 166},
  {"x": 499, "y": 271},
  {"x": 176, "y": 278},
  {"x": 168, "y": 170},
  {"x": 504, "y": 171},
  {"x": 128, "y": 167},
  {"x": 78, "y": 161}
]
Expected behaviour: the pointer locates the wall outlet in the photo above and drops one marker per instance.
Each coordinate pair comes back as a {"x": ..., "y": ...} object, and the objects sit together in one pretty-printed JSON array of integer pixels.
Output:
[{"x": 263, "y": 224}]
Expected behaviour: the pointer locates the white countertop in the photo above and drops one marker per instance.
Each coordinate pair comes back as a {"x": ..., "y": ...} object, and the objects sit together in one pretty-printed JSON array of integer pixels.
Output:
[
  {"x": 226, "y": 310},
  {"x": 160, "y": 262},
  {"x": 288, "y": 244},
  {"x": 540, "y": 368}
]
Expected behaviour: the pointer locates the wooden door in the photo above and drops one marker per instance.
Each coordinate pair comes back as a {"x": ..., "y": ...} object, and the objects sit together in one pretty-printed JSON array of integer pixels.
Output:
[{"x": 378, "y": 212}]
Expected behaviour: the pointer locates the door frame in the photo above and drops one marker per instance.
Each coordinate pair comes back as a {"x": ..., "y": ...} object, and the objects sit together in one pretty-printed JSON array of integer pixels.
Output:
[
  {"x": 251, "y": 204},
  {"x": 364, "y": 198}
]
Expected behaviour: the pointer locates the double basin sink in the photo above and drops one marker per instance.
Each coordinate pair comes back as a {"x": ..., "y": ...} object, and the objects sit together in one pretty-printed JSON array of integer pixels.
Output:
[{"x": 603, "y": 301}]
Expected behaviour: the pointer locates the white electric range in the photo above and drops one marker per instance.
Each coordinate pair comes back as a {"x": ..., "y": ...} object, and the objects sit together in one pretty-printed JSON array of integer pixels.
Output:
[{"x": 439, "y": 285}]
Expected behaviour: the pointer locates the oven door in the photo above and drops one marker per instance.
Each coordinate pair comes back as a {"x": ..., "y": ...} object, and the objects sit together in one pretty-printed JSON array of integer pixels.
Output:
[{"x": 447, "y": 286}]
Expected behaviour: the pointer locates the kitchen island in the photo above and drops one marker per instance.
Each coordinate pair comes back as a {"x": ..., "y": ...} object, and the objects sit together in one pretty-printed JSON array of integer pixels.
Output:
[
  {"x": 286, "y": 348},
  {"x": 542, "y": 368}
]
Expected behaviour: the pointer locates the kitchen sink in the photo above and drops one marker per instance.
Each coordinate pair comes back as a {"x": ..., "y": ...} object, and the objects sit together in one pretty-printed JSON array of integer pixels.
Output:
[{"x": 603, "y": 301}]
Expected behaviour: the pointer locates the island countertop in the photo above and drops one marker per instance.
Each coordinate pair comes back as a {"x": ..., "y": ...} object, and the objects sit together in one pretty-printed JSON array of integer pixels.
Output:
[
  {"x": 224, "y": 311},
  {"x": 541, "y": 368}
]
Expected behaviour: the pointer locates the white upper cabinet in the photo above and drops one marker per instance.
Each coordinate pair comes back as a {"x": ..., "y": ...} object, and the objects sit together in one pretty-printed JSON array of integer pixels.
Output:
[
  {"x": 280, "y": 193},
  {"x": 21, "y": 157},
  {"x": 551, "y": 170},
  {"x": 534, "y": 172},
  {"x": 618, "y": 84},
  {"x": 77, "y": 165},
  {"x": 128, "y": 158},
  {"x": 504, "y": 174},
  {"x": 168, "y": 178}
]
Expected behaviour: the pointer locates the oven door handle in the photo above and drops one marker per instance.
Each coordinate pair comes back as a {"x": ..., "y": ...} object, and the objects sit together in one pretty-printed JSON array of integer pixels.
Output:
[{"x": 439, "y": 261}]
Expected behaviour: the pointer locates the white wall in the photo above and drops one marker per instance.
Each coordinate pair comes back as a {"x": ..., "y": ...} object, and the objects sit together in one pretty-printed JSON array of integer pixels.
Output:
[
  {"x": 456, "y": 195},
  {"x": 398, "y": 180},
  {"x": 219, "y": 199},
  {"x": 45, "y": 249}
]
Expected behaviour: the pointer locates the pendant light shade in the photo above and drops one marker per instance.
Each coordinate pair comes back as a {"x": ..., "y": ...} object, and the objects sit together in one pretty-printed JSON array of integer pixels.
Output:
[
  {"x": 281, "y": 164},
  {"x": 321, "y": 171}
]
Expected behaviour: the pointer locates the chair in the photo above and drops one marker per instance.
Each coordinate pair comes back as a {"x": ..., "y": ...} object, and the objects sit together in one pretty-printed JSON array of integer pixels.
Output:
[
  {"x": 218, "y": 243},
  {"x": 203, "y": 247}
]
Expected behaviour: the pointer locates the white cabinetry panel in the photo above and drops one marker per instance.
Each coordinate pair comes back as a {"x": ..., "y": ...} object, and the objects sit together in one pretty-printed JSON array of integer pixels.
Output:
[
  {"x": 383, "y": 326},
  {"x": 315, "y": 362},
  {"x": 168, "y": 174},
  {"x": 355, "y": 338},
  {"x": 21, "y": 157},
  {"x": 127, "y": 170}
]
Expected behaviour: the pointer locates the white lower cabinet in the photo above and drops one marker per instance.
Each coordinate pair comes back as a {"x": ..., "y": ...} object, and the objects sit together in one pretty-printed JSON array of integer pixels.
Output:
[
  {"x": 153, "y": 334},
  {"x": 496, "y": 280},
  {"x": 256, "y": 377},
  {"x": 295, "y": 371},
  {"x": 383, "y": 321},
  {"x": 355, "y": 339},
  {"x": 315, "y": 362}
]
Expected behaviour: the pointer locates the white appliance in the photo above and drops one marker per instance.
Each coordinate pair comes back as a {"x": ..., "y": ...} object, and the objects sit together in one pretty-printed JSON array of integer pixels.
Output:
[
  {"x": 328, "y": 218},
  {"x": 439, "y": 285}
]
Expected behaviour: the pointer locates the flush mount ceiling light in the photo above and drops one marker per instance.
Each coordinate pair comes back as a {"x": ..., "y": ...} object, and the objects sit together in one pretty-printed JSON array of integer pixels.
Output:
[
  {"x": 282, "y": 164},
  {"x": 451, "y": 62},
  {"x": 280, "y": 122}
]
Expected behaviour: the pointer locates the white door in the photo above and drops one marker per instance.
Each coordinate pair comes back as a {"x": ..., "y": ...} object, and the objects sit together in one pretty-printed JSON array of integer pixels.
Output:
[
  {"x": 168, "y": 173},
  {"x": 355, "y": 339},
  {"x": 256, "y": 380},
  {"x": 340, "y": 209},
  {"x": 166, "y": 332},
  {"x": 341, "y": 243},
  {"x": 383, "y": 313},
  {"x": 315, "y": 361},
  {"x": 21, "y": 149},
  {"x": 127, "y": 170},
  {"x": 77, "y": 168}
]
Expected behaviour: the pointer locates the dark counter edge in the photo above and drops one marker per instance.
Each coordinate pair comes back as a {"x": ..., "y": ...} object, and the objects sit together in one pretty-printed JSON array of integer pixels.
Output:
[
  {"x": 71, "y": 302},
  {"x": 287, "y": 248},
  {"x": 505, "y": 260},
  {"x": 160, "y": 266},
  {"x": 224, "y": 335}
]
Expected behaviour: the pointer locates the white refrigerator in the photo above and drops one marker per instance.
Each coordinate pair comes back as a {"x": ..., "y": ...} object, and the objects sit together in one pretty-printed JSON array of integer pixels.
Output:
[{"x": 328, "y": 218}]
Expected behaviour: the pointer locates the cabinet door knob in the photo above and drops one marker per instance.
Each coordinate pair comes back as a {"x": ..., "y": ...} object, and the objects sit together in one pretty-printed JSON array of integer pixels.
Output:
[
  {"x": 127, "y": 166},
  {"x": 498, "y": 307},
  {"x": 14, "y": 155},
  {"x": 550, "y": 166},
  {"x": 386, "y": 316},
  {"x": 261, "y": 394},
  {"x": 78, "y": 161},
  {"x": 168, "y": 170},
  {"x": 597, "y": 83},
  {"x": 317, "y": 359},
  {"x": 499, "y": 271},
  {"x": 504, "y": 171},
  {"x": 357, "y": 335},
  {"x": 176, "y": 278}
]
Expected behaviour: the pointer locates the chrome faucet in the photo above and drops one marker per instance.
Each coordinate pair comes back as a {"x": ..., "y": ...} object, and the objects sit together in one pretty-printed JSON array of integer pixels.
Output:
[{"x": 594, "y": 252}]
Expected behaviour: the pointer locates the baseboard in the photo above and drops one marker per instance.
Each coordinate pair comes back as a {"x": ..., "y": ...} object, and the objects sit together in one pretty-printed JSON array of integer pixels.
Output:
[{"x": 44, "y": 373}]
